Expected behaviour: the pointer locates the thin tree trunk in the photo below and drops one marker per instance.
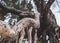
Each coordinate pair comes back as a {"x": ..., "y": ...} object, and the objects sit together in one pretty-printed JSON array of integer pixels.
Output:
[
  {"x": 35, "y": 36},
  {"x": 17, "y": 38},
  {"x": 51, "y": 37},
  {"x": 30, "y": 35},
  {"x": 44, "y": 37},
  {"x": 22, "y": 36}
]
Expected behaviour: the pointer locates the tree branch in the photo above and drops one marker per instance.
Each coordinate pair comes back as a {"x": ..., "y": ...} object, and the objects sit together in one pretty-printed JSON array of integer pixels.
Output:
[
  {"x": 37, "y": 3},
  {"x": 28, "y": 22},
  {"x": 7, "y": 9},
  {"x": 40, "y": 5},
  {"x": 49, "y": 4}
]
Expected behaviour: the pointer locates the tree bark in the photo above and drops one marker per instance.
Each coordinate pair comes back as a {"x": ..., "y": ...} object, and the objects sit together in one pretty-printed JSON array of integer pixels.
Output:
[
  {"x": 51, "y": 37},
  {"x": 21, "y": 13},
  {"x": 35, "y": 36},
  {"x": 22, "y": 36},
  {"x": 44, "y": 37},
  {"x": 48, "y": 5},
  {"x": 30, "y": 35},
  {"x": 28, "y": 22},
  {"x": 25, "y": 22}
]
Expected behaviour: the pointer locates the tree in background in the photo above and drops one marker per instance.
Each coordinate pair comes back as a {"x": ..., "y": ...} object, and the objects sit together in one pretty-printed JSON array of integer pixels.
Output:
[{"x": 43, "y": 7}]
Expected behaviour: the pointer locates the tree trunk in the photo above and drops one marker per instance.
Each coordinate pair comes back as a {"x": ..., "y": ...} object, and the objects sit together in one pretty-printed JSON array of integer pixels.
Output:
[
  {"x": 44, "y": 37},
  {"x": 22, "y": 36},
  {"x": 30, "y": 35},
  {"x": 17, "y": 38},
  {"x": 35, "y": 36},
  {"x": 51, "y": 37}
]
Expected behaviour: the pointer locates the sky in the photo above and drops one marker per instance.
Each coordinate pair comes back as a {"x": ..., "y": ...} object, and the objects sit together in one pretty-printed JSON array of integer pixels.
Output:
[{"x": 56, "y": 11}]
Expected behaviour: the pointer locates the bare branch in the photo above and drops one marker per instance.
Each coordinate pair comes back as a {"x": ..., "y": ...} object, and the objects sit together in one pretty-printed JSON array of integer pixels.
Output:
[
  {"x": 25, "y": 22},
  {"x": 49, "y": 4},
  {"x": 37, "y": 3},
  {"x": 7, "y": 9},
  {"x": 40, "y": 5}
]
